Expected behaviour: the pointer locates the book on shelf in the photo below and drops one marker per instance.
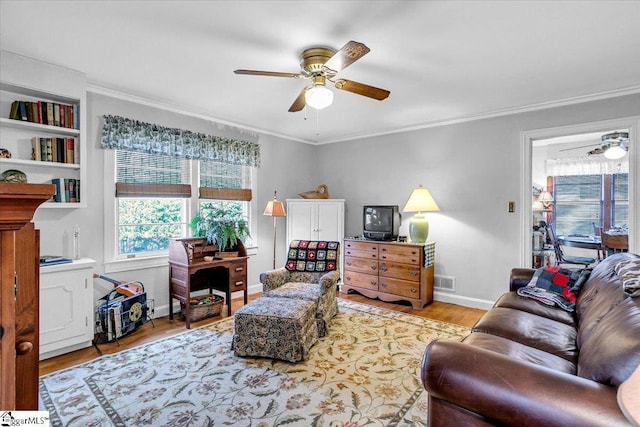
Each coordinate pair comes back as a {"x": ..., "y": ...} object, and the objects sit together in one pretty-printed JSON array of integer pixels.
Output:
[
  {"x": 46, "y": 113},
  {"x": 67, "y": 190},
  {"x": 15, "y": 107}
]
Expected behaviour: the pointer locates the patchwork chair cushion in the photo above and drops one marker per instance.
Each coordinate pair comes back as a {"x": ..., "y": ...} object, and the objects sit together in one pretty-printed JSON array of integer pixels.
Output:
[
  {"x": 312, "y": 256},
  {"x": 278, "y": 328}
]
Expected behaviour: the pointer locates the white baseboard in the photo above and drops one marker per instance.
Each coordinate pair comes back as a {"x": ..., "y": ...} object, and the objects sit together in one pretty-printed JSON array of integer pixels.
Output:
[{"x": 463, "y": 301}]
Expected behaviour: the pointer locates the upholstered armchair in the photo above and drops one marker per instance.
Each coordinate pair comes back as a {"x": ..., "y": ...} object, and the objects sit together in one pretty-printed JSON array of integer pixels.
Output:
[{"x": 311, "y": 273}]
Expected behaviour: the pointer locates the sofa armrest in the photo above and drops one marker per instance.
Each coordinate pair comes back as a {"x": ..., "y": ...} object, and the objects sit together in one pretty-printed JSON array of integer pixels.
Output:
[
  {"x": 515, "y": 392},
  {"x": 520, "y": 277},
  {"x": 273, "y": 279}
]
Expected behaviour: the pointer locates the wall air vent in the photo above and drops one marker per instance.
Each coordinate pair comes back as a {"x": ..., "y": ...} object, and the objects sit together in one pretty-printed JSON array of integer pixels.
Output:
[{"x": 444, "y": 283}]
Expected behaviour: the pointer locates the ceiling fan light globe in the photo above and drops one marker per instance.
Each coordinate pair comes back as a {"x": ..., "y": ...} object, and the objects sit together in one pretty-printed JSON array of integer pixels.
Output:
[
  {"x": 318, "y": 97},
  {"x": 616, "y": 151}
]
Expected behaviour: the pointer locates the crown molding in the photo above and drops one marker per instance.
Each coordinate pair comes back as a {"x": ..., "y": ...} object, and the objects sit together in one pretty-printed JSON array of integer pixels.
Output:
[{"x": 101, "y": 90}]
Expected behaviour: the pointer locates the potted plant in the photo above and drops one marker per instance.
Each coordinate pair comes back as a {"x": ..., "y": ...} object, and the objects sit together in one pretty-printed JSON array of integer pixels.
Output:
[{"x": 223, "y": 226}]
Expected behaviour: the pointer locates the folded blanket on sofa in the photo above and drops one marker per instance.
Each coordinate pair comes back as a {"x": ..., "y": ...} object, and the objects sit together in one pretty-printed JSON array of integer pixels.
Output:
[{"x": 556, "y": 286}]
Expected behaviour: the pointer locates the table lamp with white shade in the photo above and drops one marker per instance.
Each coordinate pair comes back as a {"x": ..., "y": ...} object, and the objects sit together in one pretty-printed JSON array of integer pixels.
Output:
[{"x": 420, "y": 201}]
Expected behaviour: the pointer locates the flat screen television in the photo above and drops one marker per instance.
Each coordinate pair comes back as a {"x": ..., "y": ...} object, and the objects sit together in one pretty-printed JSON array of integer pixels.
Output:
[{"x": 381, "y": 222}]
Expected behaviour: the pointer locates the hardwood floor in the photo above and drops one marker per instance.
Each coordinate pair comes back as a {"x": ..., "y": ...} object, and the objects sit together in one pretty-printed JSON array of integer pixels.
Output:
[{"x": 164, "y": 328}]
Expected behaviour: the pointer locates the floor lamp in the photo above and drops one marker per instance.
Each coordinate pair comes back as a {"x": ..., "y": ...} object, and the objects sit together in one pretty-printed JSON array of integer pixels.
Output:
[{"x": 275, "y": 208}]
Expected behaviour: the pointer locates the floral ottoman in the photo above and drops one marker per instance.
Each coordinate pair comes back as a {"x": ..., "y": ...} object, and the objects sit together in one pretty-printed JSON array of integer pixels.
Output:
[{"x": 279, "y": 328}]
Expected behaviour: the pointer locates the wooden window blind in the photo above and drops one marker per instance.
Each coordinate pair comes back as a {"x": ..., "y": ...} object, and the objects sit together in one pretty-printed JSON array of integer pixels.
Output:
[
  {"x": 223, "y": 181},
  {"x": 148, "y": 175}
]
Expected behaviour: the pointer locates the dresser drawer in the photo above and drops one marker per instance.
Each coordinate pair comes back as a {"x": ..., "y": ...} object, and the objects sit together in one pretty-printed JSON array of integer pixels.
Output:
[
  {"x": 362, "y": 265},
  {"x": 399, "y": 271},
  {"x": 361, "y": 253},
  {"x": 408, "y": 255},
  {"x": 400, "y": 287},
  {"x": 361, "y": 245},
  {"x": 365, "y": 281}
]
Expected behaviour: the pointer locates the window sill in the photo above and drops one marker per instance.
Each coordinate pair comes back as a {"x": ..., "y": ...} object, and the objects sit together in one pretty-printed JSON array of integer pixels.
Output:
[{"x": 129, "y": 264}]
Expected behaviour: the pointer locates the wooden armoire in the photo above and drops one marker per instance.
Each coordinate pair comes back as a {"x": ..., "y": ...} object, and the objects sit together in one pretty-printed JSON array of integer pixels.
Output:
[{"x": 19, "y": 294}]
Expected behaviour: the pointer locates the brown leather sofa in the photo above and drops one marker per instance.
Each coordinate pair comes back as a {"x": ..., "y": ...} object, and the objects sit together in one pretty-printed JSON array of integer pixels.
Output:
[{"x": 529, "y": 364}]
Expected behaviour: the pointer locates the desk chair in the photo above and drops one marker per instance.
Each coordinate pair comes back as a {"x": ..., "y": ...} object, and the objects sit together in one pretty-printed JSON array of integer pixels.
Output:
[
  {"x": 561, "y": 258},
  {"x": 614, "y": 243}
]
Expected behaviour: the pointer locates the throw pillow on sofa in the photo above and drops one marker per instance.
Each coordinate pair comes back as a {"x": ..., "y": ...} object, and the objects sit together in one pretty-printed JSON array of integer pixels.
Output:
[{"x": 556, "y": 286}]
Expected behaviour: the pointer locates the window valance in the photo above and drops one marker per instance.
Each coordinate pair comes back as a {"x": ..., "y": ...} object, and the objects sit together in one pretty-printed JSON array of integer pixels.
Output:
[
  {"x": 120, "y": 133},
  {"x": 586, "y": 166}
]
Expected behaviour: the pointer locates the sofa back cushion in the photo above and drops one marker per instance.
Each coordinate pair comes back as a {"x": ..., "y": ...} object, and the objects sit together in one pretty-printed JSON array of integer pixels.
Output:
[
  {"x": 599, "y": 295},
  {"x": 612, "y": 350}
]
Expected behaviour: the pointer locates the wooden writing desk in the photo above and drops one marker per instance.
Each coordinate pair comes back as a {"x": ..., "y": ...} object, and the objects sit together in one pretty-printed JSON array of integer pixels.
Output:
[{"x": 188, "y": 272}]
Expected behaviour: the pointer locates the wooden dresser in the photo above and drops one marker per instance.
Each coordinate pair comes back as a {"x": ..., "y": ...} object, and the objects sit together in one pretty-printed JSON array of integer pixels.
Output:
[
  {"x": 19, "y": 294},
  {"x": 390, "y": 271},
  {"x": 190, "y": 270}
]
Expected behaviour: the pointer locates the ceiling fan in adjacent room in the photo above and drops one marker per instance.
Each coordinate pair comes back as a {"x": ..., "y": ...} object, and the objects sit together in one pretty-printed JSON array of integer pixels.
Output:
[
  {"x": 614, "y": 145},
  {"x": 321, "y": 65}
]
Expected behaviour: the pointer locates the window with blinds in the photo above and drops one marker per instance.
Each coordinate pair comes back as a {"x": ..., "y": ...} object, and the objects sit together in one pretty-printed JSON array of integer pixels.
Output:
[
  {"x": 226, "y": 186},
  {"x": 581, "y": 202},
  {"x": 151, "y": 195},
  {"x": 620, "y": 200}
]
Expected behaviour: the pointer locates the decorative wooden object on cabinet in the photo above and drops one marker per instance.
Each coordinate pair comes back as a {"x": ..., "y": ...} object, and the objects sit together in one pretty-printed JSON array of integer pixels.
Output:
[
  {"x": 390, "y": 271},
  {"x": 27, "y": 79},
  {"x": 315, "y": 219},
  {"x": 66, "y": 325},
  {"x": 19, "y": 294},
  {"x": 189, "y": 272}
]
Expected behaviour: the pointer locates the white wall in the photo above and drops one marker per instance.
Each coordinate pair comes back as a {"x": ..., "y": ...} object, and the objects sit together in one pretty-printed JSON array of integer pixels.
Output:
[{"x": 472, "y": 170}]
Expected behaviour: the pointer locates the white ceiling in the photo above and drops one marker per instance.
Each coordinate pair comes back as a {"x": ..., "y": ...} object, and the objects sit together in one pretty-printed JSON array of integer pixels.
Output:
[{"x": 442, "y": 60}]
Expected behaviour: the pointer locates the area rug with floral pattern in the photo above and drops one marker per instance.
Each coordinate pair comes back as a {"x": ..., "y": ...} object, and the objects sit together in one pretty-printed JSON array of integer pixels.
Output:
[{"x": 366, "y": 371}]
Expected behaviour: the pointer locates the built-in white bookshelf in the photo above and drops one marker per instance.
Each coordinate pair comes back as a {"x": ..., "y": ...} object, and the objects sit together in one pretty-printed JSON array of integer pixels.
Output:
[{"x": 36, "y": 84}]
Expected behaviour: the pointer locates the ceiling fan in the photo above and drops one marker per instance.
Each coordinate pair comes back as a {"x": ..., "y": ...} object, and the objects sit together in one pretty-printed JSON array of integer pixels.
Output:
[
  {"x": 322, "y": 64},
  {"x": 614, "y": 145}
]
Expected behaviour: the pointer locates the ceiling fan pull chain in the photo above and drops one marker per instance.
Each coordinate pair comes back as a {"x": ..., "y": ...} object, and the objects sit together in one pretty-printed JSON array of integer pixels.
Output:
[{"x": 317, "y": 122}]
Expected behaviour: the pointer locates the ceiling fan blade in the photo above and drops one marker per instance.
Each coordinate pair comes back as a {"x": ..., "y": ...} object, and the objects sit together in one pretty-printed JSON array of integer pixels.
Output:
[
  {"x": 361, "y": 89},
  {"x": 270, "y": 74},
  {"x": 578, "y": 148},
  {"x": 300, "y": 102},
  {"x": 346, "y": 56}
]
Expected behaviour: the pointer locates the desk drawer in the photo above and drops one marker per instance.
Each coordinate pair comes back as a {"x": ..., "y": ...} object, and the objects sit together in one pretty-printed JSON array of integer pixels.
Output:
[
  {"x": 362, "y": 265},
  {"x": 366, "y": 281},
  {"x": 400, "y": 271},
  {"x": 238, "y": 275}
]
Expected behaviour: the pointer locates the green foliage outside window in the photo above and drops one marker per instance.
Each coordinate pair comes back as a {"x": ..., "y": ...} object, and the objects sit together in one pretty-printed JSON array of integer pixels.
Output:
[{"x": 147, "y": 224}]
